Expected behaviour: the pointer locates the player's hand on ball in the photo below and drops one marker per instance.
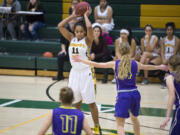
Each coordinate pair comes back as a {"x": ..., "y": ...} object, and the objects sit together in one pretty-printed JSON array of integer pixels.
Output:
[
  {"x": 74, "y": 14},
  {"x": 88, "y": 11}
]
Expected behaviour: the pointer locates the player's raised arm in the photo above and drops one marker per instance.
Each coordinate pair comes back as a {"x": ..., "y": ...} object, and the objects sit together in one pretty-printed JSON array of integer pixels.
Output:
[
  {"x": 110, "y": 64},
  {"x": 90, "y": 37},
  {"x": 61, "y": 26}
]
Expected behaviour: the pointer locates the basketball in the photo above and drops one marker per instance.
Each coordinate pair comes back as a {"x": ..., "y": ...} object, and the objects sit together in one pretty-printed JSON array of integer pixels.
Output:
[
  {"x": 81, "y": 8},
  {"x": 48, "y": 54}
]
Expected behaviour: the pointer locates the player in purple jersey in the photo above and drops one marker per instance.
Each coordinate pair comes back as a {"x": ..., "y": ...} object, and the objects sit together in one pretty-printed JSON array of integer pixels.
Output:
[
  {"x": 173, "y": 84},
  {"x": 128, "y": 98},
  {"x": 66, "y": 120}
]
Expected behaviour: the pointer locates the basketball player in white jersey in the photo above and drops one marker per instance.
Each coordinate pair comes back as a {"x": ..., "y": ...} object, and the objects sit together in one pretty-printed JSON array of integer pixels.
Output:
[
  {"x": 81, "y": 77},
  {"x": 169, "y": 44}
]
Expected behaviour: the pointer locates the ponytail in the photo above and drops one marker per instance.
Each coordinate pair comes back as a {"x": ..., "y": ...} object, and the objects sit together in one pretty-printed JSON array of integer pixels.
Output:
[{"x": 124, "y": 67}]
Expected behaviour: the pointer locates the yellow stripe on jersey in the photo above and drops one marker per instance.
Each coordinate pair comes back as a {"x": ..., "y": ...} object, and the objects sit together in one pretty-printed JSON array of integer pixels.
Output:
[
  {"x": 77, "y": 45},
  {"x": 92, "y": 69},
  {"x": 66, "y": 107},
  {"x": 169, "y": 45}
]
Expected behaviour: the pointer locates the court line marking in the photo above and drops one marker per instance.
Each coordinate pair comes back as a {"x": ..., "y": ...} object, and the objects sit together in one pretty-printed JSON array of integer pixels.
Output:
[
  {"x": 108, "y": 110},
  {"x": 23, "y": 123},
  {"x": 10, "y": 102}
]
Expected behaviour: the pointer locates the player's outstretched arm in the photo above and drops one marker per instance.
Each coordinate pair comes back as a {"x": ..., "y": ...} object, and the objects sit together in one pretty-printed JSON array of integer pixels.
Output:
[
  {"x": 151, "y": 67},
  {"x": 171, "y": 99},
  {"x": 61, "y": 26},
  {"x": 86, "y": 127},
  {"x": 46, "y": 125},
  {"x": 110, "y": 64}
]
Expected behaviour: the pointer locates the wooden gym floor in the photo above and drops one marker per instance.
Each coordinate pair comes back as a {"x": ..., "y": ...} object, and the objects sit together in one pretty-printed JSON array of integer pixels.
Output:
[{"x": 24, "y": 106}]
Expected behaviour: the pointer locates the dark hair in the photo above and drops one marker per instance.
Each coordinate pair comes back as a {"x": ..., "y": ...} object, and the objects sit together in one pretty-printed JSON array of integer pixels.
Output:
[
  {"x": 174, "y": 61},
  {"x": 148, "y": 25},
  {"x": 102, "y": 40},
  {"x": 130, "y": 36},
  {"x": 170, "y": 24},
  {"x": 82, "y": 24},
  {"x": 106, "y": 3},
  {"x": 66, "y": 95},
  {"x": 35, "y": 6}
]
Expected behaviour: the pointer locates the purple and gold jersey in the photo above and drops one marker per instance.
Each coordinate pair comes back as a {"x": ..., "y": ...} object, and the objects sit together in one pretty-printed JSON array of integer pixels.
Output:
[
  {"x": 128, "y": 83},
  {"x": 175, "y": 125},
  {"x": 177, "y": 92},
  {"x": 67, "y": 121}
]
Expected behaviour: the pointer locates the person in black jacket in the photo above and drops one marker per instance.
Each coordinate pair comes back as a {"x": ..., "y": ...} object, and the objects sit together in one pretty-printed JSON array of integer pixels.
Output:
[
  {"x": 33, "y": 22},
  {"x": 99, "y": 50}
]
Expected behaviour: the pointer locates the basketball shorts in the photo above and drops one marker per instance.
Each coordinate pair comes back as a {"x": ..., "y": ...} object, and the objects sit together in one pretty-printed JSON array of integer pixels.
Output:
[
  {"x": 175, "y": 125},
  {"x": 82, "y": 84},
  {"x": 127, "y": 102}
]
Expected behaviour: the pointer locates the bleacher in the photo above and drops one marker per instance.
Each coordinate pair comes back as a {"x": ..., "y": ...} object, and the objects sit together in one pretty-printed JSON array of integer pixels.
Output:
[{"x": 25, "y": 57}]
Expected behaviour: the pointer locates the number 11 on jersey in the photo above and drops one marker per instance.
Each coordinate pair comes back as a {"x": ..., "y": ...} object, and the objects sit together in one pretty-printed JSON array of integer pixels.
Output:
[
  {"x": 69, "y": 123},
  {"x": 75, "y": 50}
]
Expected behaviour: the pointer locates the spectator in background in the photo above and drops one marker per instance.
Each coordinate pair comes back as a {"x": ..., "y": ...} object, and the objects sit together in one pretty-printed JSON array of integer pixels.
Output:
[
  {"x": 103, "y": 16},
  {"x": 169, "y": 46},
  {"x": 10, "y": 21},
  {"x": 63, "y": 54},
  {"x": 33, "y": 22},
  {"x": 126, "y": 37},
  {"x": 149, "y": 44},
  {"x": 99, "y": 50}
]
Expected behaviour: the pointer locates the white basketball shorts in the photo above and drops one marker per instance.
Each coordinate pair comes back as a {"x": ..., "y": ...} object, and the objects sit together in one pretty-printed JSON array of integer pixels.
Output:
[{"x": 82, "y": 84}]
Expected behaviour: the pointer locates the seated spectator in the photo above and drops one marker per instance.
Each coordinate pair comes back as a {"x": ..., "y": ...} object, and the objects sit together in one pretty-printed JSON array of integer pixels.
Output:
[
  {"x": 10, "y": 21},
  {"x": 103, "y": 16},
  {"x": 33, "y": 22},
  {"x": 149, "y": 44},
  {"x": 126, "y": 37},
  {"x": 99, "y": 50},
  {"x": 169, "y": 46},
  {"x": 63, "y": 54}
]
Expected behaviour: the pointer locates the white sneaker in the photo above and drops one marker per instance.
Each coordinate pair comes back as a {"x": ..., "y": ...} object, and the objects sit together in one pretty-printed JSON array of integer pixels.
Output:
[{"x": 114, "y": 80}]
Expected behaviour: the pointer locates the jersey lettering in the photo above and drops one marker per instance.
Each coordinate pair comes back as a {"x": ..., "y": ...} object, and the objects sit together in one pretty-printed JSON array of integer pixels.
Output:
[{"x": 66, "y": 119}]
